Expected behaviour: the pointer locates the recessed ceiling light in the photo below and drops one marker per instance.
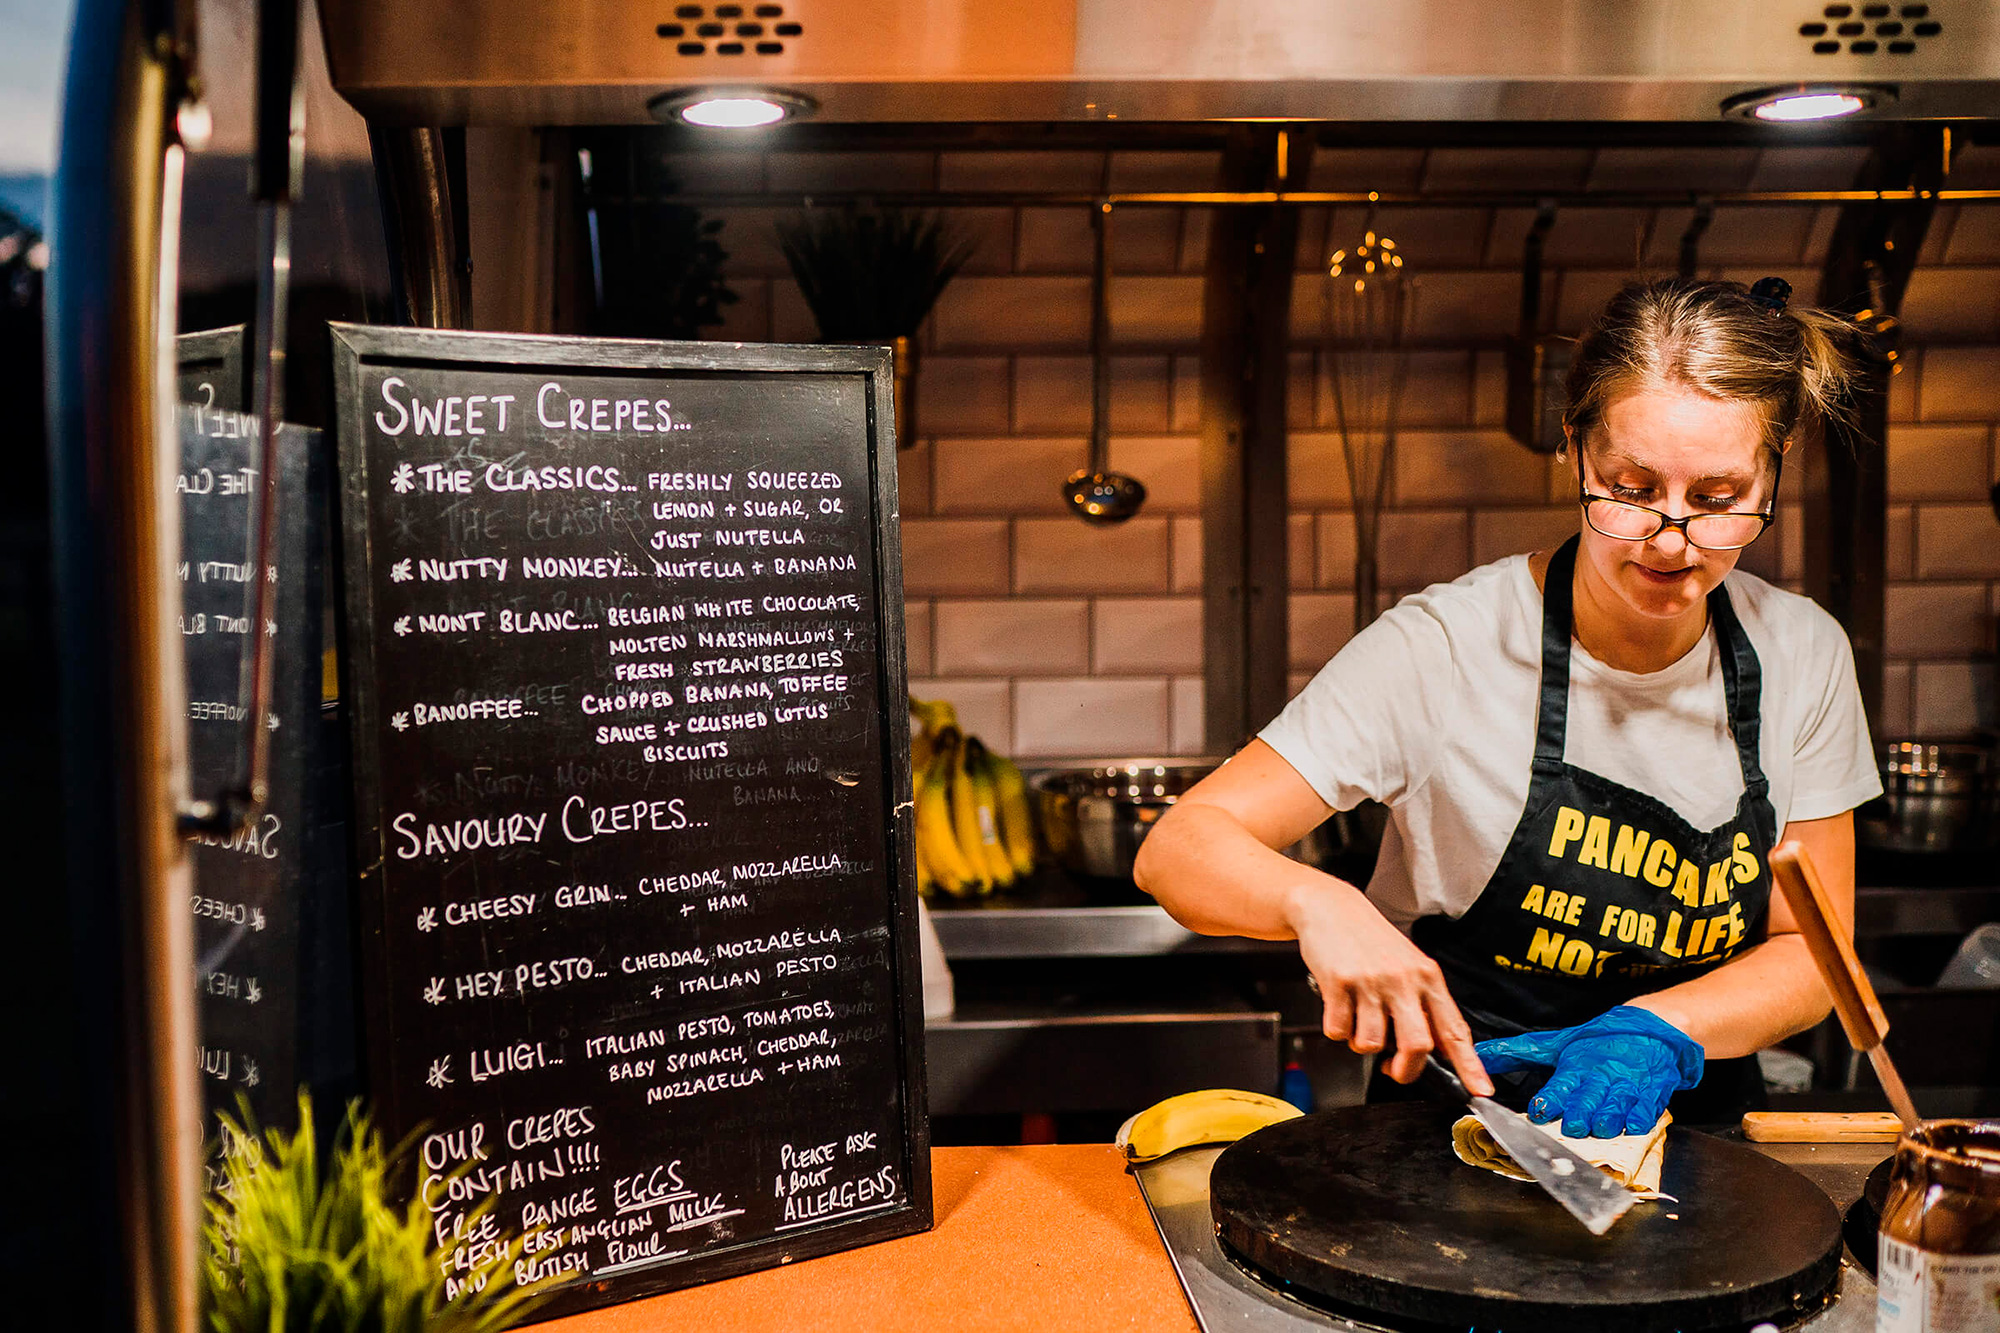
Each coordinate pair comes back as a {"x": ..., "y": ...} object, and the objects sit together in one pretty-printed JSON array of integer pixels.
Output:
[
  {"x": 731, "y": 108},
  {"x": 1807, "y": 102}
]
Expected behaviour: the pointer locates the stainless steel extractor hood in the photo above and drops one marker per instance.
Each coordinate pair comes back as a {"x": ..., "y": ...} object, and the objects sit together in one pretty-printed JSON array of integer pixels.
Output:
[{"x": 545, "y": 62}]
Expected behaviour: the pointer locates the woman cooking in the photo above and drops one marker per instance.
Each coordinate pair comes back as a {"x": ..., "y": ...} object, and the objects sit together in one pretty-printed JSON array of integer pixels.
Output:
[{"x": 1587, "y": 753}]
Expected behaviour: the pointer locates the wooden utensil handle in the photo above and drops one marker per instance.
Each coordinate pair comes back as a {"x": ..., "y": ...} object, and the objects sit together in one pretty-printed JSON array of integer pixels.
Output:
[
  {"x": 1821, "y": 1127},
  {"x": 1832, "y": 950}
]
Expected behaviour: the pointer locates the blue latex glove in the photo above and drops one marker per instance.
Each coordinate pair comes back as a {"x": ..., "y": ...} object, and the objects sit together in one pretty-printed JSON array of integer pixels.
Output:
[{"x": 1612, "y": 1075}]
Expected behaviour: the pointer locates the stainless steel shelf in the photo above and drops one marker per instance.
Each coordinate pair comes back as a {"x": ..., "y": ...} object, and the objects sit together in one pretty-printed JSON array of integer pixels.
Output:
[
  {"x": 1007, "y": 1059},
  {"x": 1057, "y": 916},
  {"x": 1893, "y": 910},
  {"x": 1054, "y": 914},
  {"x": 1081, "y": 932}
]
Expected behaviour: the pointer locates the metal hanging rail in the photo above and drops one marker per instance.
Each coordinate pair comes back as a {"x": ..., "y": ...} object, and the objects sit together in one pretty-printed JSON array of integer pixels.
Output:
[{"x": 1528, "y": 199}]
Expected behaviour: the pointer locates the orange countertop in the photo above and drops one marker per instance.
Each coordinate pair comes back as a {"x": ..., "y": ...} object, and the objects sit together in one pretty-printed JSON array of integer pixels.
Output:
[{"x": 1043, "y": 1239}]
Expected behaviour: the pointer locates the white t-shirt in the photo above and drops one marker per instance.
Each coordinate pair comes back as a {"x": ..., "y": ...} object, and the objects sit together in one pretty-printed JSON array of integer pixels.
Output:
[{"x": 1431, "y": 710}]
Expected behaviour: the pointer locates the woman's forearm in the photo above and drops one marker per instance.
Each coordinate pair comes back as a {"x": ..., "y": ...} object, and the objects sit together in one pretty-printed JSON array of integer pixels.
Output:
[
  {"x": 1215, "y": 878},
  {"x": 1773, "y": 990},
  {"x": 1749, "y": 1003}
]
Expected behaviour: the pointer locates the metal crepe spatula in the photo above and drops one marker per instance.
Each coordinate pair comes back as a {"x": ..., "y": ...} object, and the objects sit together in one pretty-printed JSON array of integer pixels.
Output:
[{"x": 1586, "y": 1193}]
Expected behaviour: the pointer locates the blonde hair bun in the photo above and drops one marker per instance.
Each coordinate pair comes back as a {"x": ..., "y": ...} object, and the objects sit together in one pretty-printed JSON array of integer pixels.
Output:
[{"x": 1722, "y": 339}]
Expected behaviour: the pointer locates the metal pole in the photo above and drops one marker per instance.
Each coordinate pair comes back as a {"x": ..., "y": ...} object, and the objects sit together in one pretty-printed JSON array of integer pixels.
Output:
[
  {"x": 1246, "y": 323},
  {"x": 1626, "y": 199},
  {"x": 117, "y": 610},
  {"x": 1100, "y": 340},
  {"x": 426, "y": 263}
]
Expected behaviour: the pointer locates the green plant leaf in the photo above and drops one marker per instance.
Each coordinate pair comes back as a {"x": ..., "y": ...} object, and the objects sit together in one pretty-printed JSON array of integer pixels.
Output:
[
  {"x": 295, "y": 1243},
  {"x": 660, "y": 266},
  {"x": 870, "y": 275}
]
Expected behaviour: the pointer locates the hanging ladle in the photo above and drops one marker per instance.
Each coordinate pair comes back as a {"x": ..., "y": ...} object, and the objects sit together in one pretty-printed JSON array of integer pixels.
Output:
[{"x": 1097, "y": 494}]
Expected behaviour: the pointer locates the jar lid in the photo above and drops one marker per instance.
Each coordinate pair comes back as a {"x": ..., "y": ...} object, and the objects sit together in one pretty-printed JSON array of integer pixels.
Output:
[{"x": 1962, "y": 1154}]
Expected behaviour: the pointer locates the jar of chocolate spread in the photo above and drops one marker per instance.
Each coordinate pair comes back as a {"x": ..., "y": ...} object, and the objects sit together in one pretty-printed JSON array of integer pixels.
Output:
[{"x": 1938, "y": 1266}]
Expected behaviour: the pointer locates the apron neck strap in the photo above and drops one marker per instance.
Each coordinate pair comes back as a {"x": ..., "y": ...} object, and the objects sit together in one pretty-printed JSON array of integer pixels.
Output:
[
  {"x": 1742, "y": 678},
  {"x": 1742, "y": 684},
  {"x": 1552, "y": 712}
]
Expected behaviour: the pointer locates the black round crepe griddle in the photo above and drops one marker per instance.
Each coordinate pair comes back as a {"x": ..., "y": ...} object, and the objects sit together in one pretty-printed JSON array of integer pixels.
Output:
[
  {"x": 1864, "y": 1215},
  {"x": 1367, "y": 1212}
]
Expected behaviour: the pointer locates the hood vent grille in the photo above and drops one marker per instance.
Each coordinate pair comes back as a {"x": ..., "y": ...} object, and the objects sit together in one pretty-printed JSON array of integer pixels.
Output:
[
  {"x": 1864, "y": 30},
  {"x": 423, "y": 62},
  {"x": 729, "y": 30}
]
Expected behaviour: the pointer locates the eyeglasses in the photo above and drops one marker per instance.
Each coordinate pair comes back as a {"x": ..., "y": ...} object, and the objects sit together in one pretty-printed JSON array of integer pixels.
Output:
[{"x": 1729, "y": 531}]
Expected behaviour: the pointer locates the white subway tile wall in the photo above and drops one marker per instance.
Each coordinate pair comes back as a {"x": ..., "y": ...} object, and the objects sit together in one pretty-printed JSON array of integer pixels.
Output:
[
  {"x": 913, "y": 477},
  {"x": 1300, "y": 553},
  {"x": 1058, "y": 639},
  {"x": 985, "y": 707},
  {"x": 1938, "y": 619},
  {"x": 1957, "y": 541},
  {"x": 1068, "y": 555},
  {"x": 1143, "y": 634},
  {"x": 1171, "y": 465},
  {"x": 1004, "y": 475},
  {"x": 917, "y": 638},
  {"x": 1943, "y": 695},
  {"x": 1501, "y": 532},
  {"x": 952, "y": 555},
  {"x": 1900, "y": 540},
  {"x": 1094, "y": 715},
  {"x": 1012, "y": 637},
  {"x": 1321, "y": 623},
  {"x": 1895, "y": 720},
  {"x": 1189, "y": 727},
  {"x": 1052, "y": 393},
  {"x": 1186, "y": 535},
  {"x": 1939, "y": 462}
]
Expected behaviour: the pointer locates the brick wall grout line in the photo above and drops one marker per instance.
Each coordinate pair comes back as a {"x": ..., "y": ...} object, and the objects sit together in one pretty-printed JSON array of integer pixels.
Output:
[
  {"x": 1011, "y": 368},
  {"x": 1013, "y": 556},
  {"x": 1091, "y": 657}
]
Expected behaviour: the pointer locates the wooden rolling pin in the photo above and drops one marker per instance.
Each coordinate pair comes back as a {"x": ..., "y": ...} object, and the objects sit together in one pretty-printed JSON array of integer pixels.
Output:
[
  {"x": 1822, "y": 1127},
  {"x": 1833, "y": 952}
]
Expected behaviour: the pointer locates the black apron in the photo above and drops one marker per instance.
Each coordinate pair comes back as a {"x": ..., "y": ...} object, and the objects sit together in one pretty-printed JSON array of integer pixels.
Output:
[{"x": 1604, "y": 893}]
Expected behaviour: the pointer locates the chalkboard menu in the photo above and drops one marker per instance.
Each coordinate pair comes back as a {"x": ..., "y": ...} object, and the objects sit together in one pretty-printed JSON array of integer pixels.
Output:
[
  {"x": 210, "y": 369},
  {"x": 247, "y": 887},
  {"x": 633, "y": 798}
]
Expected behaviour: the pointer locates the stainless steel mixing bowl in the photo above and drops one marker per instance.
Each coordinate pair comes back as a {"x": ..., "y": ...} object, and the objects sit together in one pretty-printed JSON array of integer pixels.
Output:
[
  {"x": 1941, "y": 797},
  {"x": 1094, "y": 818}
]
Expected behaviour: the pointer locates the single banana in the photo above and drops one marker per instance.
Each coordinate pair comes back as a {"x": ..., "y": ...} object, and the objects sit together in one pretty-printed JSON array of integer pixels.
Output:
[
  {"x": 934, "y": 714},
  {"x": 949, "y": 873},
  {"x": 1017, "y": 829},
  {"x": 926, "y": 878},
  {"x": 935, "y": 831},
  {"x": 979, "y": 768},
  {"x": 926, "y": 882},
  {"x": 965, "y": 817},
  {"x": 923, "y": 746},
  {"x": 1217, "y": 1115}
]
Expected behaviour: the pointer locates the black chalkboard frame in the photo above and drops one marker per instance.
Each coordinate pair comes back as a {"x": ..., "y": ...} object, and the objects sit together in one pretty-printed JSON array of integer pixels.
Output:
[
  {"x": 356, "y": 346},
  {"x": 218, "y": 352}
]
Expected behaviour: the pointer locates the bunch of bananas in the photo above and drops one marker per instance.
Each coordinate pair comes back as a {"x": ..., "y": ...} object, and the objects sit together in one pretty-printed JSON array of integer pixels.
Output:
[{"x": 974, "y": 831}]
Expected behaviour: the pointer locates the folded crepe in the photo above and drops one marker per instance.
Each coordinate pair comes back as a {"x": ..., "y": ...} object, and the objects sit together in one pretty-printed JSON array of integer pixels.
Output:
[{"x": 1633, "y": 1160}]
